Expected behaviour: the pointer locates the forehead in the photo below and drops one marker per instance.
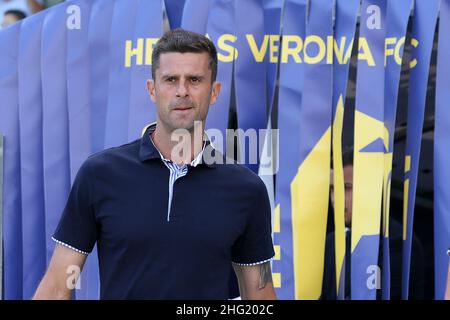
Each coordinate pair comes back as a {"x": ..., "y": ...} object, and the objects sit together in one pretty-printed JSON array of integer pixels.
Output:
[
  {"x": 179, "y": 63},
  {"x": 348, "y": 174},
  {"x": 10, "y": 17}
]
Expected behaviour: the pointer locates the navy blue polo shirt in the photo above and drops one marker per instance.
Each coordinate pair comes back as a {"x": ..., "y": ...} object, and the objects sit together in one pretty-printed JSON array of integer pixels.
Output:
[{"x": 152, "y": 248}]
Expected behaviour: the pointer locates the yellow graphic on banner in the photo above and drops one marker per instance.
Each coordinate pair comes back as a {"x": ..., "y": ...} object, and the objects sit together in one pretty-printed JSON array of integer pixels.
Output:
[
  {"x": 276, "y": 276},
  {"x": 339, "y": 190},
  {"x": 309, "y": 202},
  {"x": 313, "y": 49},
  {"x": 406, "y": 195},
  {"x": 277, "y": 250},
  {"x": 138, "y": 51},
  {"x": 368, "y": 170}
]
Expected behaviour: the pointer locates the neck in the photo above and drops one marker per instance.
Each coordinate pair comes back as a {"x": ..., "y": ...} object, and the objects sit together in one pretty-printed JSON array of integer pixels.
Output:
[{"x": 181, "y": 146}]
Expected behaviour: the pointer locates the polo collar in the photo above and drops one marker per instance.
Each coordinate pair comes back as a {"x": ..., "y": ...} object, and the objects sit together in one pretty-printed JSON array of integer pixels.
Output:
[{"x": 149, "y": 151}]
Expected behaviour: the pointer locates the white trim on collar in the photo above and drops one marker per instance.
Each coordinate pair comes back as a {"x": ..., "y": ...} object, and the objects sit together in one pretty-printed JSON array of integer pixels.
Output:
[{"x": 197, "y": 160}]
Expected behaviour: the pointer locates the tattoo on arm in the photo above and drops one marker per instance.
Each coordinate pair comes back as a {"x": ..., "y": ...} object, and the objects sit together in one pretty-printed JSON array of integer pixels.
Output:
[{"x": 265, "y": 275}]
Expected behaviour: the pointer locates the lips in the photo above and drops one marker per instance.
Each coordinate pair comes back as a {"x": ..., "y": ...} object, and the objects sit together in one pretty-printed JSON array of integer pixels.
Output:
[{"x": 182, "y": 109}]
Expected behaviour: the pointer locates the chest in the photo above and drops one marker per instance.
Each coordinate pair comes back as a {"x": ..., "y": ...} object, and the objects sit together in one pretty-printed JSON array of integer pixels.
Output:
[{"x": 203, "y": 212}]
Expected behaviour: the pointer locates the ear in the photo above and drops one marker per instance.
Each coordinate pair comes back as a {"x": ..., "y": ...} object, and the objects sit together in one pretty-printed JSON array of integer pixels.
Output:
[
  {"x": 216, "y": 86},
  {"x": 151, "y": 89}
]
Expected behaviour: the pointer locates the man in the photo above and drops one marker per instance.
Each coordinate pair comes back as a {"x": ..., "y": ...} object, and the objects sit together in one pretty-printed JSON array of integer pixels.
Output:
[
  {"x": 417, "y": 277},
  {"x": 168, "y": 221},
  {"x": 28, "y": 7},
  {"x": 12, "y": 16}
]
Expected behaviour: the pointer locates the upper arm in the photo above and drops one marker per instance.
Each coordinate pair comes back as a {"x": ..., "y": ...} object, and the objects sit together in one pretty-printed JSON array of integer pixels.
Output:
[
  {"x": 63, "y": 272},
  {"x": 255, "y": 281}
]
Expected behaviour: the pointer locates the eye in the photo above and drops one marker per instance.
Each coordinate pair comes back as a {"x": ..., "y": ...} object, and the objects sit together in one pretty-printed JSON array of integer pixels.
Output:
[
  {"x": 170, "y": 79},
  {"x": 195, "y": 80}
]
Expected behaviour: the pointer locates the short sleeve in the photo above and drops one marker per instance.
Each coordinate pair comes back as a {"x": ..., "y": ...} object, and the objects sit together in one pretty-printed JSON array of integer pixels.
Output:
[
  {"x": 77, "y": 227},
  {"x": 255, "y": 245}
]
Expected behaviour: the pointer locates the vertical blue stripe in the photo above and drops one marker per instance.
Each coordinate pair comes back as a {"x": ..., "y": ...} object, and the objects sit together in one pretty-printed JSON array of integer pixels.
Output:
[
  {"x": 250, "y": 78},
  {"x": 396, "y": 20},
  {"x": 370, "y": 102},
  {"x": 55, "y": 119},
  {"x": 221, "y": 20},
  {"x": 100, "y": 58},
  {"x": 272, "y": 26},
  {"x": 442, "y": 155},
  {"x": 142, "y": 110},
  {"x": 290, "y": 95},
  {"x": 174, "y": 9},
  {"x": 99, "y": 52},
  {"x": 9, "y": 127},
  {"x": 78, "y": 89},
  {"x": 195, "y": 15},
  {"x": 79, "y": 111},
  {"x": 30, "y": 114},
  {"x": 122, "y": 29},
  {"x": 316, "y": 105},
  {"x": 424, "y": 23},
  {"x": 345, "y": 24},
  {"x": 315, "y": 120}
]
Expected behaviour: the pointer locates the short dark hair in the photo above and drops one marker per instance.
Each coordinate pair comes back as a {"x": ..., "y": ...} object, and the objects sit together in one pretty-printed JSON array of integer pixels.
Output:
[
  {"x": 183, "y": 41},
  {"x": 347, "y": 157},
  {"x": 17, "y": 13}
]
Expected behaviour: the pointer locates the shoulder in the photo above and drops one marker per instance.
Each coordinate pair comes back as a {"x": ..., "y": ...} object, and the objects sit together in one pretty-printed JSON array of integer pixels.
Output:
[
  {"x": 106, "y": 162},
  {"x": 108, "y": 157},
  {"x": 239, "y": 175}
]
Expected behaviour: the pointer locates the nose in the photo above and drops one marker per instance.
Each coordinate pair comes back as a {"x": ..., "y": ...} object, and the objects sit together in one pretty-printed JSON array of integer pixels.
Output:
[{"x": 182, "y": 90}]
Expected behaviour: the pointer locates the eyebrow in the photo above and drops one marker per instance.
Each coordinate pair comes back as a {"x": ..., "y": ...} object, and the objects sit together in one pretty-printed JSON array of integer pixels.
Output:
[{"x": 170, "y": 75}]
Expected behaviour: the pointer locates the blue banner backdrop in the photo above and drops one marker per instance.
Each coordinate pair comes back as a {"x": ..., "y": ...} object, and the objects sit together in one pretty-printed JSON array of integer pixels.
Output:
[
  {"x": 344, "y": 33},
  {"x": 32, "y": 183},
  {"x": 221, "y": 30},
  {"x": 250, "y": 78},
  {"x": 290, "y": 96},
  {"x": 442, "y": 155},
  {"x": 72, "y": 82},
  {"x": 310, "y": 186},
  {"x": 195, "y": 15},
  {"x": 396, "y": 20},
  {"x": 424, "y": 23},
  {"x": 122, "y": 29},
  {"x": 272, "y": 30},
  {"x": 9, "y": 128},
  {"x": 55, "y": 122},
  {"x": 99, "y": 51},
  {"x": 369, "y": 151}
]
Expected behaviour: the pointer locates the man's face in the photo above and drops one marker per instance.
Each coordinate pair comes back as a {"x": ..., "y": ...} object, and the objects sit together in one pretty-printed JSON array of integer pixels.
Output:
[
  {"x": 8, "y": 20},
  {"x": 182, "y": 89},
  {"x": 348, "y": 183}
]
